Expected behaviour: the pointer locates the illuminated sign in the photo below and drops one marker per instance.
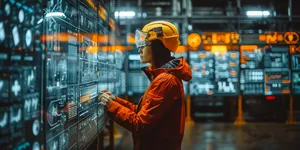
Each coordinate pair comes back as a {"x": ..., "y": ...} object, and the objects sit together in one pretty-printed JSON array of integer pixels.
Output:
[
  {"x": 91, "y": 4},
  {"x": 220, "y": 38},
  {"x": 279, "y": 38},
  {"x": 294, "y": 49},
  {"x": 219, "y": 49},
  {"x": 291, "y": 38},
  {"x": 102, "y": 12},
  {"x": 111, "y": 23}
]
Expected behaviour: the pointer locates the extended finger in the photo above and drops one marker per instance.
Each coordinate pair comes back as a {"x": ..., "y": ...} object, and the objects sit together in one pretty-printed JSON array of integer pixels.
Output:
[
  {"x": 104, "y": 100},
  {"x": 101, "y": 98},
  {"x": 106, "y": 95},
  {"x": 103, "y": 103}
]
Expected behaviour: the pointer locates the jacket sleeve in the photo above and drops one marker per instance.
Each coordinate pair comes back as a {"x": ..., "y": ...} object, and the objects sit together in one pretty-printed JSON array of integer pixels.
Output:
[
  {"x": 160, "y": 97},
  {"x": 125, "y": 103}
]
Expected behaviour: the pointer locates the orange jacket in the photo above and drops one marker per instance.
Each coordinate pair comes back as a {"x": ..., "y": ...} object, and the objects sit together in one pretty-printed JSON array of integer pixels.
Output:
[{"x": 157, "y": 122}]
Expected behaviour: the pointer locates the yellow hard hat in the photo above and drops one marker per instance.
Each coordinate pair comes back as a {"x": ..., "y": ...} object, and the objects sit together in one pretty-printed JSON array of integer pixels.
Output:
[{"x": 164, "y": 31}]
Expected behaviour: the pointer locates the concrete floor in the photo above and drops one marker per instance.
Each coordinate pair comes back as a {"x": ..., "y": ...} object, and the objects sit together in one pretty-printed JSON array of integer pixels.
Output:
[{"x": 226, "y": 136}]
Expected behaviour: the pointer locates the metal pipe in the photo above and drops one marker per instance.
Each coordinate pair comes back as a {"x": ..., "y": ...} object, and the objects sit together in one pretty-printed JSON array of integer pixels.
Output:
[
  {"x": 238, "y": 4},
  {"x": 174, "y": 8},
  {"x": 290, "y": 10},
  {"x": 139, "y": 7}
]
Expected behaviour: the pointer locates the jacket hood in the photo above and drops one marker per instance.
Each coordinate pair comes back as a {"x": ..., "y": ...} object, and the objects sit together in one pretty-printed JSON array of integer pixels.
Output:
[{"x": 177, "y": 66}]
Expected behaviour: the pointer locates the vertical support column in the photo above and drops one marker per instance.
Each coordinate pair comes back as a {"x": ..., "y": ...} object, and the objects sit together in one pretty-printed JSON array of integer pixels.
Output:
[
  {"x": 239, "y": 119},
  {"x": 111, "y": 135},
  {"x": 188, "y": 119},
  {"x": 291, "y": 119},
  {"x": 188, "y": 98}
]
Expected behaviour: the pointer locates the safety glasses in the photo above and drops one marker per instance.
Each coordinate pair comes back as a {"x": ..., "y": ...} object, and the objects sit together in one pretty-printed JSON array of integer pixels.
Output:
[{"x": 141, "y": 39}]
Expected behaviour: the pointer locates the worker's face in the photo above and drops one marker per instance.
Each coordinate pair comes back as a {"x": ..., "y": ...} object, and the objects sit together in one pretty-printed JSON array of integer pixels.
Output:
[{"x": 146, "y": 54}]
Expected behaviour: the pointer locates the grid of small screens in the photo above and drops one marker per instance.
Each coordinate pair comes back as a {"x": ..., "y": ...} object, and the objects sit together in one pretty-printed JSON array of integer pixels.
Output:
[
  {"x": 52, "y": 67},
  {"x": 214, "y": 73},
  {"x": 265, "y": 71},
  {"x": 20, "y": 73},
  {"x": 248, "y": 71}
]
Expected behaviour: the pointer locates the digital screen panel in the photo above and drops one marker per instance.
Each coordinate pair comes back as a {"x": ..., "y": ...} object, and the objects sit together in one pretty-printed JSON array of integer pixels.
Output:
[
  {"x": 203, "y": 67},
  {"x": 52, "y": 67},
  {"x": 227, "y": 72},
  {"x": 202, "y": 87},
  {"x": 65, "y": 140},
  {"x": 252, "y": 73},
  {"x": 76, "y": 70},
  {"x": 135, "y": 62},
  {"x": 87, "y": 128},
  {"x": 137, "y": 82},
  {"x": 20, "y": 71},
  {"x": 277, "y": 74},
  {"x": 295, "y": 62},
  {"x": 87, "y": 59},
  {"x": 277, "y": 81},
  {"x": 252, "y": 81},
  {"x": 251, "y": 58},
  {"x": 276, "y": 57},
  {"x": 296, "y": 82}
]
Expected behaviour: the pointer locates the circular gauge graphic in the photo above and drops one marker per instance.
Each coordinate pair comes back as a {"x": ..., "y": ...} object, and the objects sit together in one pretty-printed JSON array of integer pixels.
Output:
[
  {"x": 194, "y": 40},
  {"x": 7, "y": 9},
  {"x": 36, "y": 127},
  {"x": 36, "y": 146},
  {"x": 21, "y": 16},
  {"x": 28, "y": 38},
  {"x": 2, "y": 32}
]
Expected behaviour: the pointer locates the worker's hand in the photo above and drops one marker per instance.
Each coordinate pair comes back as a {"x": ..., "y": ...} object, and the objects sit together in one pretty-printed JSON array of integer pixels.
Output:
[
  {"x": 109, "y": 93},
  {"x": 106, "y": 97}
]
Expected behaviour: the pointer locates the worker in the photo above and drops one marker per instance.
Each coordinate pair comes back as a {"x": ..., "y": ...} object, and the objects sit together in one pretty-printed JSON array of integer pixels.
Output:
[{"x": 157, "y": 121}]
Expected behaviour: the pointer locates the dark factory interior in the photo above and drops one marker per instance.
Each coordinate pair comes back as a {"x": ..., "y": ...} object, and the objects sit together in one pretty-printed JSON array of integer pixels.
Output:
[{"x": 75, "y": 74}]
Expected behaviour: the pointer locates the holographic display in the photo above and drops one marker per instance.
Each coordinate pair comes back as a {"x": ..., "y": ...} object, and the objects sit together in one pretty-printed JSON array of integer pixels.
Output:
[
  {"x": 51, "y": 66},
  {"x": 77, "y": 70},
  {"x": 20, "y": 75}
]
